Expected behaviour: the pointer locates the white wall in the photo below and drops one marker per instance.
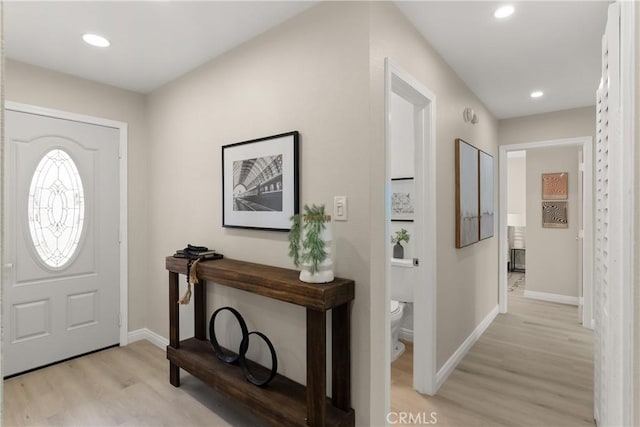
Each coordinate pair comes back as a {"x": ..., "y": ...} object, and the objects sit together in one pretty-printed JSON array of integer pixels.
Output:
[
  {"x": 402, "y": 165},
  {"x": 552, "y": 253},
  {"x": 466, "y": 278},
  {"x": 517, "y": 184},
  {"x": 402, "y": 161},
  {"x": 38, "y": 86}
]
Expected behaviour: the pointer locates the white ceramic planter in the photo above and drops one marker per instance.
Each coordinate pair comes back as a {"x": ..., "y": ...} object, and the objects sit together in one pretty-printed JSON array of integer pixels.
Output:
[{"x": 325, "y": 268}]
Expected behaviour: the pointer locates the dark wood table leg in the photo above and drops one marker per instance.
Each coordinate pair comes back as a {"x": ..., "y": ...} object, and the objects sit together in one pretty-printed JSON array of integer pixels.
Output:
[
  {"x": 174, "y": 326},
  {"x": 341, "y": 357},
  {"x": 200, "y": 310},
  {"x": 316, "y": 367}
]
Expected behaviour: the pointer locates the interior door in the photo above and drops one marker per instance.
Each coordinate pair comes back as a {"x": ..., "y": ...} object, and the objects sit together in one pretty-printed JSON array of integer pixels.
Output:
[
  {"x": 61, "y": 239},
  {"x": 605, "y": 342}
]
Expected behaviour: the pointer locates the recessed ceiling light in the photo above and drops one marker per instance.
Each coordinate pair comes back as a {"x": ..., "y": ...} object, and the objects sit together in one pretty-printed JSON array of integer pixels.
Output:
[
  {"x": 537, "y": 94},
  {"x": 503, "y": 11},
  {"x": 95, "y": 40}
]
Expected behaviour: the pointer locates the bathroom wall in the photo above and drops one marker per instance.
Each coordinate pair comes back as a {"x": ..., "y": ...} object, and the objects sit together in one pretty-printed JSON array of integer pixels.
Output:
[
  {"x": 308, "y": 74},
  {"x": 467, "y": 279},
  {"x": 552, "y": 253},
  {"x": 402, "y": 165},
  {"x": 28, "y": 84}
]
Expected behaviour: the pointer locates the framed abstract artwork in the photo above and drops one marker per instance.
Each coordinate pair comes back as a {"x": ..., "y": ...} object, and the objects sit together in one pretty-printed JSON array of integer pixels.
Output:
[
  {"x": 467, "y": 194},
  {"x": 485, "y": 162},
  {"x": 402, "y": 197},
  {"x": 555, "y": 186},
  {"x": 260, "y": 182},
  {"x": 554, "y": 214}
]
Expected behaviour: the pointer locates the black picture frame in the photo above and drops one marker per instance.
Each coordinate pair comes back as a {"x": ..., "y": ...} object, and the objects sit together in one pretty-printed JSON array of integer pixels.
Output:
[
  {"x": 402, "y": 199},
  {"x": 260, "y": 182}
]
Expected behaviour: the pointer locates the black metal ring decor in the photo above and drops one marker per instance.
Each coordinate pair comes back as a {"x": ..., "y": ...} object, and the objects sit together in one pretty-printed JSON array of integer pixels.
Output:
[
  {"x": 244, "y": 346},
  {"x": 214, "y": 341},
  {"x": 243, "y": 361}
]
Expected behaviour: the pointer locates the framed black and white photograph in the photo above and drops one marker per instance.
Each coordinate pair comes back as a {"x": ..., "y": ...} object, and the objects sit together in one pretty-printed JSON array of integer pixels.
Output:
[
  {"x": 260, "y": 182},
  {"x": 402, "y": 199}
]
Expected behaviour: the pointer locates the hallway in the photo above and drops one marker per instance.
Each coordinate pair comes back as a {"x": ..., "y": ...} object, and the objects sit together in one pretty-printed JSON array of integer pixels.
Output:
[{"x": 532, "y": 367}]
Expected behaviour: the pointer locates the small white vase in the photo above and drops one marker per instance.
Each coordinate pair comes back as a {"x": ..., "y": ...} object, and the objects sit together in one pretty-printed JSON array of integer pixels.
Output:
[{"x": 325, "y": 268}]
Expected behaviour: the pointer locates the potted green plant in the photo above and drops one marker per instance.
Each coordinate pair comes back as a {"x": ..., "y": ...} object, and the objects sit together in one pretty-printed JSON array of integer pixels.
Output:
[
  {"x": 401, "y": 236},
  {"x": 310, "y": 244}
]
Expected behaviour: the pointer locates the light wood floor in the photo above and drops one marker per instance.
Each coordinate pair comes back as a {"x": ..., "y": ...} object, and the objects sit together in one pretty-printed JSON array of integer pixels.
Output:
[
  {"x": 123, "y": 386},
  {"x": 532, "y": 367}
]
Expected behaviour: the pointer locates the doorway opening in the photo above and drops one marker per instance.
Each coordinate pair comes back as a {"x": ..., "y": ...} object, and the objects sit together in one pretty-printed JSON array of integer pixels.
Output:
[
  {"x": 584, "y": 218},
  {"x": 410, "y": 183}
]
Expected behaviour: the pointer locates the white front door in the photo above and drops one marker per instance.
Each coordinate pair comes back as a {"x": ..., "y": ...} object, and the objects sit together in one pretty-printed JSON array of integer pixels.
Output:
[{"x": 61, "y": 239}]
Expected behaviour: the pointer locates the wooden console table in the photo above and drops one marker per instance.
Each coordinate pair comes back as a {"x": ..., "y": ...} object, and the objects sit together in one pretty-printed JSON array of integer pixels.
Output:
[{"x": 283, "y": 402}]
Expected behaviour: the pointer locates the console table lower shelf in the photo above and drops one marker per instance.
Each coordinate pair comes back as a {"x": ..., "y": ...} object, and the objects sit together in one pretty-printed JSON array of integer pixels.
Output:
[{"x": 282, "y": 402}]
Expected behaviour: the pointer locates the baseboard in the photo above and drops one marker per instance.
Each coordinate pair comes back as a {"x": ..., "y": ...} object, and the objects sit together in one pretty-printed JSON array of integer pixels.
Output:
[
  {"x": 406, "y": 334},
  {"x": 464, "y": 348},
  {"x": 149, "y": 335},
  {"x": 544, "y": 296}
]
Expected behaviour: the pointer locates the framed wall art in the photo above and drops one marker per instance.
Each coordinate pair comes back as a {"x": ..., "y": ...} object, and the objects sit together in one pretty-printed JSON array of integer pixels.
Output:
[
  {"x": 555, "y": 186},
  {"x": 402, "y": 197},
  {"x": 554, "y": 214},
  {"x": 260, "y": 182},
  {"x": 485, "y": 162},
  {"x": 467, "y": 188}
]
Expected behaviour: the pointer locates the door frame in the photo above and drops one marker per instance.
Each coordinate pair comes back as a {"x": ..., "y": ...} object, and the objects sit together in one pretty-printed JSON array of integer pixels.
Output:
[
  {"x": 122, "y": 150},
  {"x": 401, "y": 83},
  {"x": 586, "y": 142}
]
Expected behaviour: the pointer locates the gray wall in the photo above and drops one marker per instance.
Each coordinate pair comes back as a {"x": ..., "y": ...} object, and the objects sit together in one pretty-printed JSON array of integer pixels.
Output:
[
  {"x": 309, "y": 74},
  {"x": 543, "y": 127},
  {"x": 552, "y": 253},
  {"x": 467, "y": 278}
]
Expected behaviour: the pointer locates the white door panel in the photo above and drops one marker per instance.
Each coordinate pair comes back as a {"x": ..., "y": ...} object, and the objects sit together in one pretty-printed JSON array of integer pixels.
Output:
[{"x": 61, "y": 237}]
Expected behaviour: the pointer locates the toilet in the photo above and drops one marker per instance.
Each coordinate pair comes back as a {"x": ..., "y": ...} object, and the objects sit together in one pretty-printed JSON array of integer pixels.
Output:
[
  {"x": 401, "y": 287},
  {"x": 397, "y": 347}
]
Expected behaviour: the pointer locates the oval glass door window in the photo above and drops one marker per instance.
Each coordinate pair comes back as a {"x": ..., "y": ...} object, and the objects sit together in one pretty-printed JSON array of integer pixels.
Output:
[{"x": 56, "y": 208}]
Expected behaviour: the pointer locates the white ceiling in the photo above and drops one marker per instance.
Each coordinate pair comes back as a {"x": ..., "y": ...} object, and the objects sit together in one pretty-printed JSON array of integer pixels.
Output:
[
  {"x": 152, "y": 42},
  {"x": 551, "y": 46}
]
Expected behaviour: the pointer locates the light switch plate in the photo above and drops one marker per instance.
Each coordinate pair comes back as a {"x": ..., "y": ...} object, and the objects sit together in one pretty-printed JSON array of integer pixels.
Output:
[{"x": 340, "y": 208}]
